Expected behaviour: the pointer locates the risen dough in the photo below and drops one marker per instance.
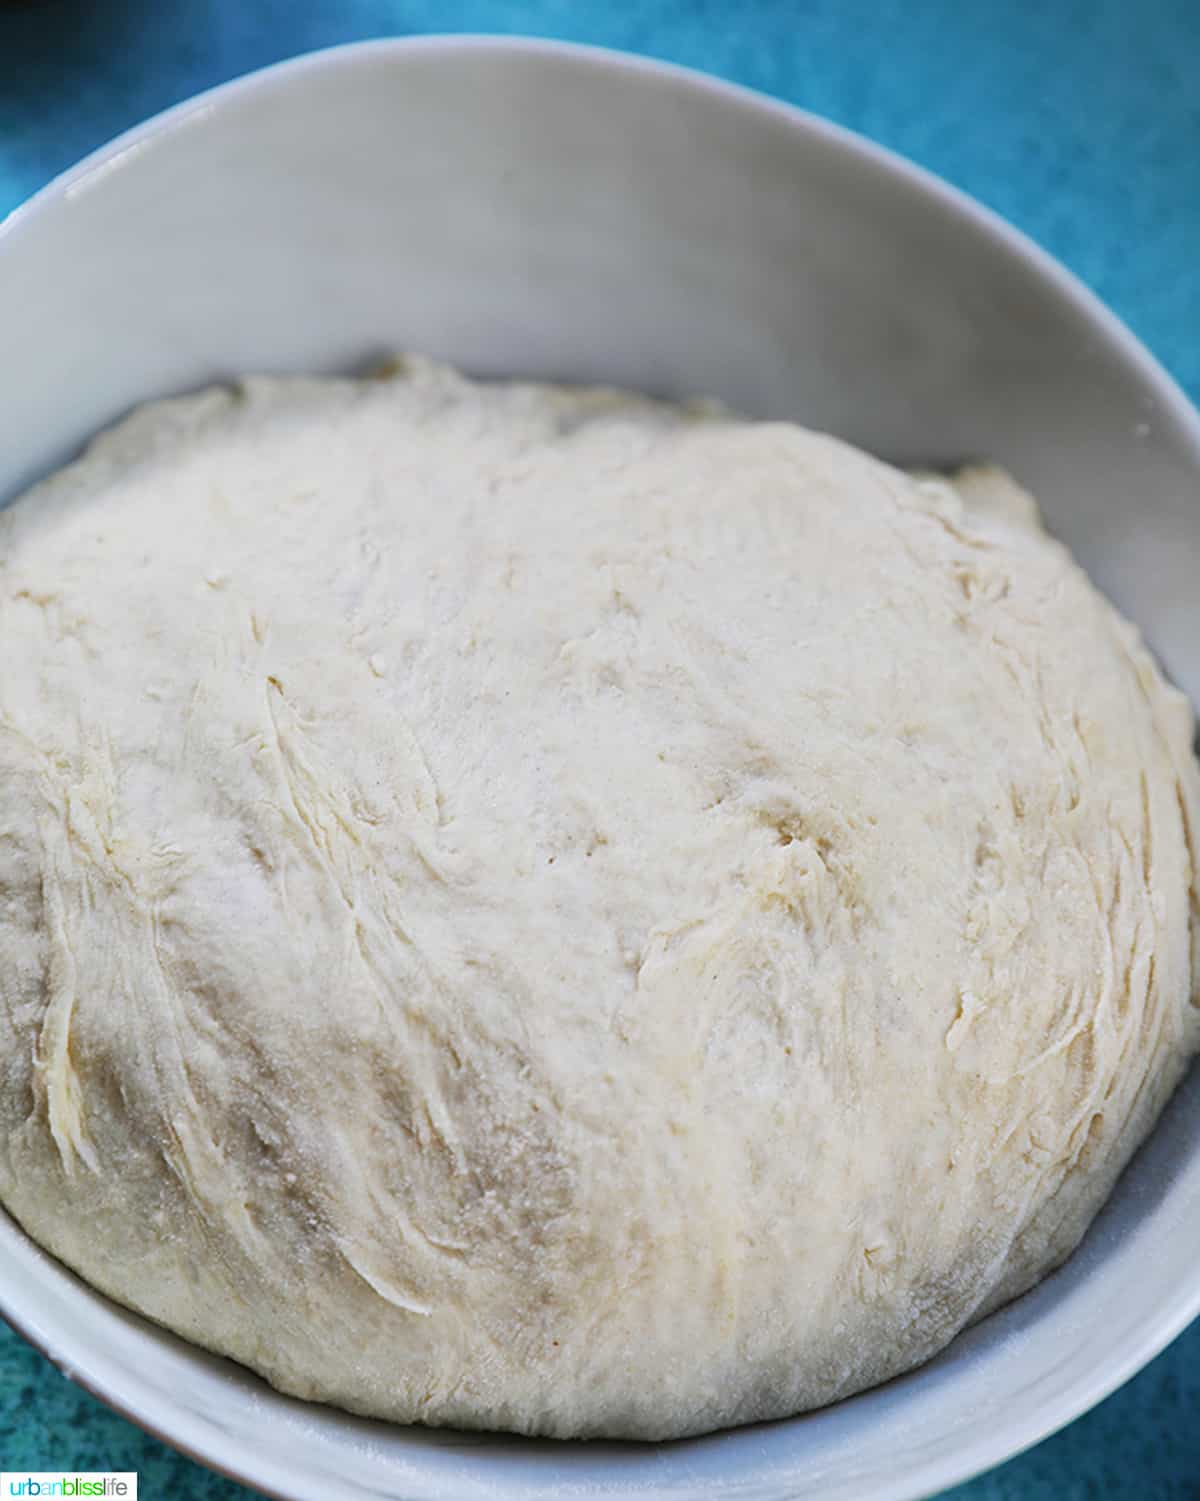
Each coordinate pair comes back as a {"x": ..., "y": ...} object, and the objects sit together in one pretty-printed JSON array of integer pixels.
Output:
[{"x": 539, "y": 910}]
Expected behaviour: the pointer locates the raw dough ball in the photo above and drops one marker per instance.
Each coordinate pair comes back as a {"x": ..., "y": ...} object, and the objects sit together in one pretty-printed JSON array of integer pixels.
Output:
[{"x": 539, "y": 910}]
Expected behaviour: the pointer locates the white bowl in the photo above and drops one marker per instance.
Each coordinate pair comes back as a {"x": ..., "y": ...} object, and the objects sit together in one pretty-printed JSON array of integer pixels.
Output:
[{"x": 543, "y": 209}]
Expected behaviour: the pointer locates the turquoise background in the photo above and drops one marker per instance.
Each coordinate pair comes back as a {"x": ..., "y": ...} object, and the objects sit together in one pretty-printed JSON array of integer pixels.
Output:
[{"x": 1079, "y": 120}]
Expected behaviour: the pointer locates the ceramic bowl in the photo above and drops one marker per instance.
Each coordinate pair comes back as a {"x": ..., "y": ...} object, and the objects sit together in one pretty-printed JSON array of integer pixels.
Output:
[{"x": 534, "y": 208}]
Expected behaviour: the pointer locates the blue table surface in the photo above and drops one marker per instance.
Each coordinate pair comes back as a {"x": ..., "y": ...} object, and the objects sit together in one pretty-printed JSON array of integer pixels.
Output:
[{"x": 1079, "y": 120}]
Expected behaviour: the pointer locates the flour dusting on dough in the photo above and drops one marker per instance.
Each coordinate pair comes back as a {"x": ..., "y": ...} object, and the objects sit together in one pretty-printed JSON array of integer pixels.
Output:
[{"x": 536, "y": 909}]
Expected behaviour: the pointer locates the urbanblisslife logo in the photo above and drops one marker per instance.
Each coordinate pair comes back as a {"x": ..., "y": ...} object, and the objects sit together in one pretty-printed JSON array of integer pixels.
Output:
[{"x": 119, "y": 1485}]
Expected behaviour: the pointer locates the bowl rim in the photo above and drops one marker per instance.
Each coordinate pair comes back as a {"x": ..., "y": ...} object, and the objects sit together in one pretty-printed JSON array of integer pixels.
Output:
[{"x": 926, "y": 1477}]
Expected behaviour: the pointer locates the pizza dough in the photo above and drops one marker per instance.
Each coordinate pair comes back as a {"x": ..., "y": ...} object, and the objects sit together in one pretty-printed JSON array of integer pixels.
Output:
[{"x": 540, "y": 910}]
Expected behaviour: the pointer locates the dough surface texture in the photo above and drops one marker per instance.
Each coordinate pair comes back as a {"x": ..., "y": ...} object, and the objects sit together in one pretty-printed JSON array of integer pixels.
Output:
[{"x": 536, "y": 909}]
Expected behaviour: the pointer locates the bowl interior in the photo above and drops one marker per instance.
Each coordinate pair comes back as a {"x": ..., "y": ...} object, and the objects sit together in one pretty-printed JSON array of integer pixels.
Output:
[{"x": 553, "y": 211}]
